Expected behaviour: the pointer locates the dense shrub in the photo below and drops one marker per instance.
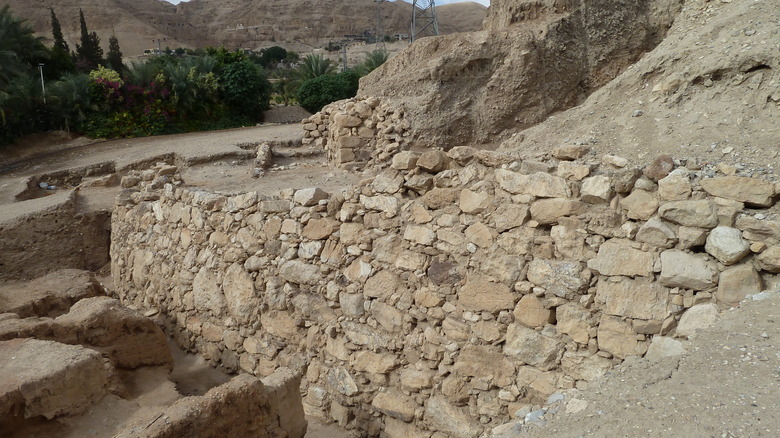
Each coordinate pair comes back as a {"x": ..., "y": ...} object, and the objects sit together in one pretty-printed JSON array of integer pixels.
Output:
[{"x": 315, "y": 93}]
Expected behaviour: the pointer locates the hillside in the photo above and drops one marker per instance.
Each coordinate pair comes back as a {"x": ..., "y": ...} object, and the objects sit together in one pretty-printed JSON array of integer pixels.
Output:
[{"x": 233, "y": 23}]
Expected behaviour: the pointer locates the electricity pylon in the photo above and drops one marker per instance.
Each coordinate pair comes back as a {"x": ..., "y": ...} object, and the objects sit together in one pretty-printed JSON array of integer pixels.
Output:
[{"x": 424, "y": 21}]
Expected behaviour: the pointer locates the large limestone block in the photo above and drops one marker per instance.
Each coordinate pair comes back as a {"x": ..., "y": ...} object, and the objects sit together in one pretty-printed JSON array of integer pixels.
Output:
[
  {"x": 479, "y": 294},
  {"x": 389, "y": 182},
  {"x": 382, "y": 285},
  {"x": 479, "y": 234},
  {"x": 548, "y": 211},
  {"x": 530, "y": 311},
  {"x": 561, "y": 278},
  {"x": 769, "y": 260},
  {"x": 663, "y": 346},
  {"x": 532, "y": 347},
  {"x": 540, "y": 184},
  {"x": 439, "y": 197},
  {"x": 697, "y": 318},
  {"x": 640, "y": 205},
  {"x": 49, "y": 379},
  {"x": 395, "y": 404},
  {"x": 344, "y": 120},
  {"x": 474, "y": 202},
  {"x": 737, "y": 282},
  {"x": 404, "y": 160},
  {"x": 680, "y": 269},
  {"x": 701, "y": 213},
  {"x": 206, "y": 292},
  {"x": 318, "y": 229},
  {"x": 388, "y": 317},
  {"x": 448, "y": 419},
  {"x": 482, "y": 361},
  {"x": 615, "y": 258},
  {"x": 751, "y": 191},
  {"x": 657, "y": 232},
  {"x": 310, "y": 196},
  {"x": 676, "y": 186},
  {"x": 433, "y": 161},
  {"x": 573, "y": 320},
  {"x": 508, "y": 216},
  {"x": 581, "y": 365},
  {"x": 639, "y": 298},
  {"x": 596, "y": 190},
  {"x": 618, "y": 338},
  {"x": 727, "y": 245},
  {"x": 296, "y": 271},
  {"x": 239, "y": 291}
]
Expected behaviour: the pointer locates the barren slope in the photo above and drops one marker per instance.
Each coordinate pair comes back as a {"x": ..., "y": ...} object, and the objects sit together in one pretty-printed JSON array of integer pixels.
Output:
[
  {"x": 712, "y": 86},
  {"x": 233, "y": 23}
]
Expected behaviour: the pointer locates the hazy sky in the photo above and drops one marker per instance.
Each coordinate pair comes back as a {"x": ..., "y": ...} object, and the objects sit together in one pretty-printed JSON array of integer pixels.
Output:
[{"x": 438, "y": 2}]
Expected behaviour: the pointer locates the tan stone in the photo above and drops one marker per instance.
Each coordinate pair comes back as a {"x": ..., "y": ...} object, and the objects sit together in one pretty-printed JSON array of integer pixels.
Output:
[
  {"x": 618, "y": 259},
  {"x": 572, "y": 320},
  {"x": 440, "y": 197},
  {"x": 376, "y": 363},
  {"x": 479, "y": 294},
  {"x": 549, "y": 211},
  {"x": 769, "y": 260},
  {"x": 480, "y": 235},
  {"x": 395, "y": 404},
  {"x": 676, "y": 186},
  {"x": 573, "y": 171},
  {"x": 433, "y": 161},
  {"x": 680, "y": 269},
  {"x": 474, "y": 203},
  {"x": 444, "y": 417},
  {"x": 727, "y": 245},
  {"x": 532, "y": 348},
  {"x": 530, "y": 311},
  {"x": 570, "y": 152},
  {"x": 752, "y": 191},
  {"x": 700, "y": 213},
  {"x": 640, "y": 205},
  {"x": 343, "y": 120},
  {"x": 351, "y": 233},
  {"x": 239, "y": 291},
  {"x": 404, "y": 160},
  {"x": 317, "y": 229},
  {"x": 542, "y": 185},
  {"x": 419, "y": 234},
  {"x": 560, "y": 278},
  {"x": 596, "y": 190},
  {"x": 310, "y": 196},
  {"x": 415, "y": 380},
  {"x": 737, "y": 282},
  {"x": 618, "y": 338},
  {"x": 639, "y": 298},
  {"x": 508, "y": 216},
  {"x": 697, "y": 318},
  {"x": 656, "y": 232},
  {"x": 483, "y": 361},
  {"x": 388, "y": 317},
  {"x": 382, "y": 285}
]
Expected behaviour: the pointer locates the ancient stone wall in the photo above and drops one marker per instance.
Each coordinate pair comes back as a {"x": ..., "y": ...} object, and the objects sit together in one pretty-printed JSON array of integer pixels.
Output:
[
  {"x": 358, "y": 132},
  {"x": 454, "y": 289}
]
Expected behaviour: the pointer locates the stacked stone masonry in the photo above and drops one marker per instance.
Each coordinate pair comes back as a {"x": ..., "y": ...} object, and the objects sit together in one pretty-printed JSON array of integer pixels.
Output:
[
  {"x": 358, "y": 132},
  {"x": 453, "y": 289}
]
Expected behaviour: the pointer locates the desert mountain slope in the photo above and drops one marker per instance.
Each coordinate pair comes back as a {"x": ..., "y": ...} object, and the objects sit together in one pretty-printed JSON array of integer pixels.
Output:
[
  {"x": 233, "y": 23},
  {"x": 535, "y": 57},
  {"x": 710, "y": 90}
]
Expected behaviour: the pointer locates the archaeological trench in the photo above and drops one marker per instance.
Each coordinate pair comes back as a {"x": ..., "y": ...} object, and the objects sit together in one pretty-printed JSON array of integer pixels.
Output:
[{"x": 448, "y": 292}]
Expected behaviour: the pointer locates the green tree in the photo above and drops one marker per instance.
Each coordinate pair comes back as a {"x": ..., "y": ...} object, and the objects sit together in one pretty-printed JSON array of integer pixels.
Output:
[
  {"x": 314, "y": 66},
  {"x": 315, "y": 93},
  {"x": 60, "y": 62},
  {"x": 114, "y": 57},
  {"x": 245, "y": 88},
  {"x": 272, "y": 55},
  {"x": 88, "y": 54},
  {"x": 372, "y": 62},
  {"x": 20, "y": 49}
]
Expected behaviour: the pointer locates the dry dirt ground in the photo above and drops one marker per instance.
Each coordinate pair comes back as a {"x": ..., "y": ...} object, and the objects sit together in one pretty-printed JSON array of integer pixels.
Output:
[{"x": 726, "y": 386}]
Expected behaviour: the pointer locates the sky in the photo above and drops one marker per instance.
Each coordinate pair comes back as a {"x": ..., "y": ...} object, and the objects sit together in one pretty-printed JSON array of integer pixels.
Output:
[{"x": 438, "y": 2}]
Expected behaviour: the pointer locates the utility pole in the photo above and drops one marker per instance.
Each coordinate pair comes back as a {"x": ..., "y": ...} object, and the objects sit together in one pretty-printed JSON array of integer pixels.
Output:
[
  {"x": 43, "y": 87},
  {"x": 380, "y": 33},
  {"x": 424, "y": 21}
]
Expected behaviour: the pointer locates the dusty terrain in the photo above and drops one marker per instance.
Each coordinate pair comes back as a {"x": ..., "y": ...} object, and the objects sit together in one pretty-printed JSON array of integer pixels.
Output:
[{"x": 200, "y": 23}]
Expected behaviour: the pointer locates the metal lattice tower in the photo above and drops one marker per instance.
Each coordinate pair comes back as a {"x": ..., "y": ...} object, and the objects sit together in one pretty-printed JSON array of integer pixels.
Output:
[
  {"x": 379, "y": 36},
  {"x": 424, "y": 21}
]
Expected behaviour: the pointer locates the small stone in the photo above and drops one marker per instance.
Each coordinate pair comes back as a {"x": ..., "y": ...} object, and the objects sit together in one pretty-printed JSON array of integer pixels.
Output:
[{"x": 659, "y": 168}]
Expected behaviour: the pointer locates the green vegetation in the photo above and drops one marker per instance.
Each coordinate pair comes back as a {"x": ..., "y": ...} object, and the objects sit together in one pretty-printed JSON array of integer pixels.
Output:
[{"x": 180, "y": 91}]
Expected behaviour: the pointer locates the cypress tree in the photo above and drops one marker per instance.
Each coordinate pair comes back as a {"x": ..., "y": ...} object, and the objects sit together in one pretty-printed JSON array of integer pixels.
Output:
[
  {"x": 88, "y": 54},
  {"x": 56, "y": 31},
  {"x": 114, "y": 58},
  {"x": 60, "y": 61}
]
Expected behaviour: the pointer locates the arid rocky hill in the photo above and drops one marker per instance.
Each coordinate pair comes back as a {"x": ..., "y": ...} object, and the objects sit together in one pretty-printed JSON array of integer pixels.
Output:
[
  {"x": 535, "y": 57},
  {"x": 138, "y": 23}
]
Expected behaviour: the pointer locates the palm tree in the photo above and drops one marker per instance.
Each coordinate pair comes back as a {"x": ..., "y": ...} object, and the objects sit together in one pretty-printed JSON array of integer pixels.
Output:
[
  {"x": 20, "y": 49},
  {"x": 372, "y": 62},
  {"x": 314, "y": 66}
]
